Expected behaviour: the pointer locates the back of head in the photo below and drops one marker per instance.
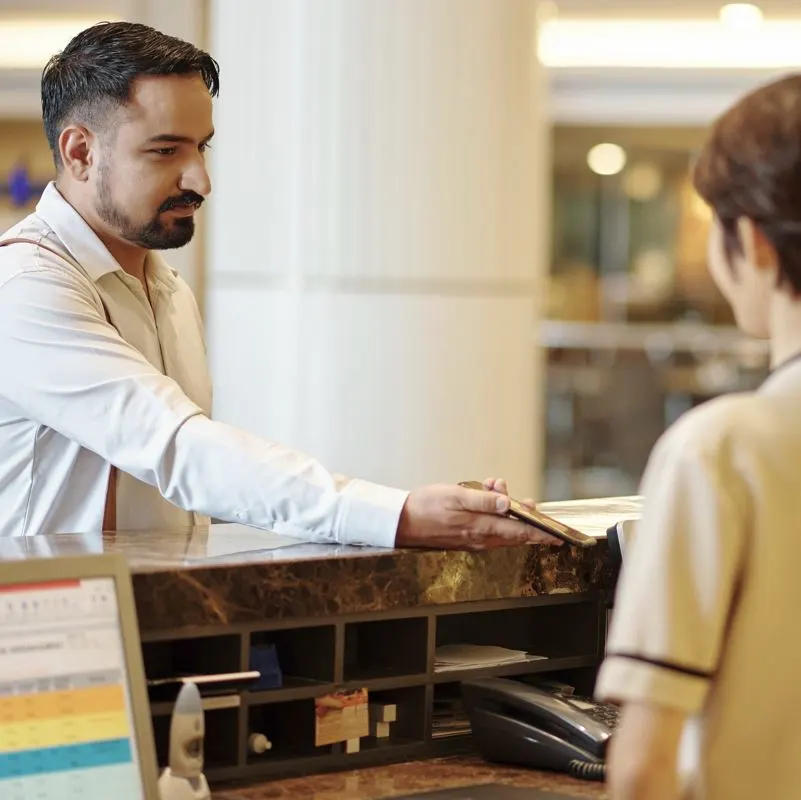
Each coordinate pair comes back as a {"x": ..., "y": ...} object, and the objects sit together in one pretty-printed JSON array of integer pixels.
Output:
[
  {"x": 96, "y": 70},
  {"x": 750, "y": 167}
]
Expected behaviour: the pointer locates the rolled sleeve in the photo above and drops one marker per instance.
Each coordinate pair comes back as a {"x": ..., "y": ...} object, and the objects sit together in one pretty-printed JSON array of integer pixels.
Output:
[
  {"x": 630, "y": 679},
  {"x": 679, "y": 578}
]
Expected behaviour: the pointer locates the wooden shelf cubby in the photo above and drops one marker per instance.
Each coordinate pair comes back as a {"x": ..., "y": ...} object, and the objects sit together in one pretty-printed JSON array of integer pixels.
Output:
[{"x": 391, "y": 654}]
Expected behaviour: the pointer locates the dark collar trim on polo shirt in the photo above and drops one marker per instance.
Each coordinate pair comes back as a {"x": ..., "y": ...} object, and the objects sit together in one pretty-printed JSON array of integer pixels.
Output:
[{"x": 655, "y": 662}]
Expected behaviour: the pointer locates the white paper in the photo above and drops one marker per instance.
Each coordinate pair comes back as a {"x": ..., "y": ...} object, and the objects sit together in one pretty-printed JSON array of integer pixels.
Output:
[
  {"x": 452, "y": 657},
  {"x": 594, "y": 517}
]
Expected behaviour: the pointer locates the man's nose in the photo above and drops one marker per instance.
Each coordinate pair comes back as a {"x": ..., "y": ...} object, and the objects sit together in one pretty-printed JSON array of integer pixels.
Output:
[{"x": 196, "y": 179}]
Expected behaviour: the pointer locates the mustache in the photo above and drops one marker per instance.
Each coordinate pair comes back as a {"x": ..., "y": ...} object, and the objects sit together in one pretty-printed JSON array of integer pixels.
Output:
[{"x": 182, "y": 201}]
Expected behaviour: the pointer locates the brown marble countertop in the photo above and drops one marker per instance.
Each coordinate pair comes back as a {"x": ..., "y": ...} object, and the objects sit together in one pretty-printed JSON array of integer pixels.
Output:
[
  {"x": 185, "y": 579},
  {"x": 412, "y": 777}
]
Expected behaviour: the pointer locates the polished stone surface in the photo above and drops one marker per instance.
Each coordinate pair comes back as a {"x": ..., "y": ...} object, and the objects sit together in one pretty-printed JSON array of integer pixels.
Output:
[
  {"x": 415, "y": 776},
  {"x": 181, "y": 580}
]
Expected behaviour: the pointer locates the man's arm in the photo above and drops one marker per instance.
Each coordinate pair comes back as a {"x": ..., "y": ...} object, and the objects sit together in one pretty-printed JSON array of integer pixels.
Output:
[
  {"x": 70, "y": 371},
  {"x": 643, "y": 753}
]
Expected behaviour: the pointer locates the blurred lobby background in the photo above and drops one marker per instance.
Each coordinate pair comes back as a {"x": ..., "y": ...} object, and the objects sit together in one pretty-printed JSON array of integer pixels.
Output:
[{"x": 448, "y": 238}]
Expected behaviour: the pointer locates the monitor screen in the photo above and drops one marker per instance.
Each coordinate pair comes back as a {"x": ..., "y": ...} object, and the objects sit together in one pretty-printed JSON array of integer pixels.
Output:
[{"x": 66, "y": 720}]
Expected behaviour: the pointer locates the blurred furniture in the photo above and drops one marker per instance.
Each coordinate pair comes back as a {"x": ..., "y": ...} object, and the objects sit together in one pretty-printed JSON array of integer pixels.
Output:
[{"x": 612, "y": 389}]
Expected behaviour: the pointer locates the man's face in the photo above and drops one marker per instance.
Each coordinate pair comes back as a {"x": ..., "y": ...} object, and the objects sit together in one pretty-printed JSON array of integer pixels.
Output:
[{"x": 151, "y": 175}]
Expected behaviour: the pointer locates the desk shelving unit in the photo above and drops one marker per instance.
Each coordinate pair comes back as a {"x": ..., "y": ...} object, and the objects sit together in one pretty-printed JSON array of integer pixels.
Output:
[{"x": 389, "y": 653}]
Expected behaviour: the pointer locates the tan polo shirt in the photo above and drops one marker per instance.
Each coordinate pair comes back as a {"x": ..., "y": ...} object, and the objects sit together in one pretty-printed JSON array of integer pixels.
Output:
[{"x": 706, "y": 616}]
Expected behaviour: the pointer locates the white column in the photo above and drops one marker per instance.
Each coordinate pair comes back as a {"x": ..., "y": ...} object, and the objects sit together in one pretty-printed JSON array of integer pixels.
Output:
[{"x": 378, "y": 233}]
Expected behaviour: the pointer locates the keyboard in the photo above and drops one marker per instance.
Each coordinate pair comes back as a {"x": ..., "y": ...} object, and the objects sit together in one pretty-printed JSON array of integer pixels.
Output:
[{"x": 605, "y": 713}]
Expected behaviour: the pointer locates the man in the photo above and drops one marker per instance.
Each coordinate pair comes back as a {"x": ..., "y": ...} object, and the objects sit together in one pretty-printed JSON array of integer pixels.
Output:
[
  {"x": 704, "y": 640},
  {"x": 105, "y": 398}
]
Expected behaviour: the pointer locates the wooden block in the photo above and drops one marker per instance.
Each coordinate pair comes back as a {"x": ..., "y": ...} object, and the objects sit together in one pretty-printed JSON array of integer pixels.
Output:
[
  {"x": 380, "y": 712},
  {"x": 340, "y": 716},
  {"x": 352, "y": 745},
  {"x": 380, "y": 730}
]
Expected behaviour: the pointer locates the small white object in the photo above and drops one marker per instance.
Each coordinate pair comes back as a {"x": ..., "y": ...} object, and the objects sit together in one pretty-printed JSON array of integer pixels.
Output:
[
  {"x": 184, "y": 779},
  {"x": 380, "y": 712},
  {"x": 259, "y": 743}
]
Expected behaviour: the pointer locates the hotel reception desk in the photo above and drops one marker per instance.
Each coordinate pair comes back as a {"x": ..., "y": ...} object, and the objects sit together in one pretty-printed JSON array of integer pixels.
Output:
[{"x": 317, "y": 619}]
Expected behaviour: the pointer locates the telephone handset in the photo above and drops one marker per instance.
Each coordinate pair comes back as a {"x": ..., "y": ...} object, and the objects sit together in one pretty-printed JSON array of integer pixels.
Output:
[{"x": 516, "y": 723}]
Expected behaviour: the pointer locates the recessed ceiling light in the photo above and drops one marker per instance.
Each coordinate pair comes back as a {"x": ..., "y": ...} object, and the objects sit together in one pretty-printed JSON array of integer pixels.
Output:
[
  {"x": 642, "y": 182},
  {"x": 606, "y": 159},
  {"x": 741, "y": 16}
]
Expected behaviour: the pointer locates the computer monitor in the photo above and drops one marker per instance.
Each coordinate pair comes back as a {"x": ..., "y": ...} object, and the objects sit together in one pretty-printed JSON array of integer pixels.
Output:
[{"x": 74, "y": 714}]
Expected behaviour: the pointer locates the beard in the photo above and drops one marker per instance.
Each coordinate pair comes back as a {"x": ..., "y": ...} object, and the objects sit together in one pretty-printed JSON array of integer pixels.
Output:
[{"x": 152, "y": 235}]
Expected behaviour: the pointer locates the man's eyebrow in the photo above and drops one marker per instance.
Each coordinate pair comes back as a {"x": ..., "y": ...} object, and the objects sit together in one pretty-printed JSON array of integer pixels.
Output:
[{"x": 173, "y": 138}]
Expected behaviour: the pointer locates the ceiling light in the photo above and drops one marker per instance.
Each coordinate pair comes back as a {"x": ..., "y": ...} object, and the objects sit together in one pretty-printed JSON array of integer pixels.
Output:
[
  {"x": 642, "y": 182},
  {"x": 668, "y": 43},
  {"x": 29, "y": 42},
  {"x": 606, "y": 159},
  {"x": 741, "y": 16}
]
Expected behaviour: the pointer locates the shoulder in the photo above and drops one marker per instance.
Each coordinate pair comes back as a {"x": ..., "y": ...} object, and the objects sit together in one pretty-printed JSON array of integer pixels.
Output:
[
  {"x": 35, "y": 254},
  {"x": 717, "y": 437},
  {"x": 715, "y": 422}
]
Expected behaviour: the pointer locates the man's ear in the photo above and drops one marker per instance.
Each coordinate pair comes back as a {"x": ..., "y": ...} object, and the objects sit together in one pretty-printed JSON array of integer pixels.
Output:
[
  {"x": 76, "y": 146},
  {"x": 757, "y": 248}
]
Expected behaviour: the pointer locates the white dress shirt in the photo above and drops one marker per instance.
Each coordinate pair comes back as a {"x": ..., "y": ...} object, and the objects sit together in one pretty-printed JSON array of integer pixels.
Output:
[{"x": 78, "y": 395}]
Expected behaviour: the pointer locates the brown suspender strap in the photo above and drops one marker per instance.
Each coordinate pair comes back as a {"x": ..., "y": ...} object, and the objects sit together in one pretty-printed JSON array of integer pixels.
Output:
[{"x": 110, "y": 513}]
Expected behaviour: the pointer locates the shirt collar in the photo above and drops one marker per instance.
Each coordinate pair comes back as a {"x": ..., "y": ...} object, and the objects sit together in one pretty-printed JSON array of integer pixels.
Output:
[
  {"x": 783, "y": 374},
  {"x": 159, "y": 270},
  {"x": 85, "y": 245}
]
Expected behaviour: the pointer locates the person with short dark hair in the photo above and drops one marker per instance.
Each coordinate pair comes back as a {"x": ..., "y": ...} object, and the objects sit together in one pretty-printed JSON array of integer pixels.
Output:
[
  {"x": 106, "y": 398},
  {"x": 703, "y": 642}
]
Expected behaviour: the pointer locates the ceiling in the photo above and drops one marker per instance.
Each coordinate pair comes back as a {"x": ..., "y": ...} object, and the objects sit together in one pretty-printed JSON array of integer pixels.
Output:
[
  {"x": 667, "y": 9},
  {"x": 77, "y": 7},
  {"x": 616, "y": 96}
]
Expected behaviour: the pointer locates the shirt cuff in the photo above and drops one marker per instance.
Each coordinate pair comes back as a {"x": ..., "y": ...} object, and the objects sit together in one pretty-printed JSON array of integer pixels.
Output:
[
  {"x": 633, "y": 679},
  {"x": 370, "y": 514}
]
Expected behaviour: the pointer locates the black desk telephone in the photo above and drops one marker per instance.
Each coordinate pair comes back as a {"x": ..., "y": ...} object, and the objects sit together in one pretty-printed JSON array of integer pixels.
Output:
[{"x": 516, "y": 723}]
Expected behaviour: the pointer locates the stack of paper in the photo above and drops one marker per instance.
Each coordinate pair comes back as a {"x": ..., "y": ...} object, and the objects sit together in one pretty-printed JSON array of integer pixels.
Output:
[
  {"x": 452, "y": 657},
  {"x": 449, "y": 718}
]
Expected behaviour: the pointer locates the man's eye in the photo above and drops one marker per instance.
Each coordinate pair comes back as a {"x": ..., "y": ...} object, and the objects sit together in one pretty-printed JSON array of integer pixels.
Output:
[
  {"x": 205, "y": 146},
  {"x": 165, "y": 151}
]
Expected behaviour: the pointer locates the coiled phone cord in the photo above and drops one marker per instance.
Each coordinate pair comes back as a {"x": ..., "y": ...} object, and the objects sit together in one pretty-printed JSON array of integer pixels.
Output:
[{"x": 587, "y": 770}]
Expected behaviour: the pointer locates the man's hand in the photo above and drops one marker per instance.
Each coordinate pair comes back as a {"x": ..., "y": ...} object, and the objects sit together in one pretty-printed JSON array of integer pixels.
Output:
[{"x": 456, "y": 518}]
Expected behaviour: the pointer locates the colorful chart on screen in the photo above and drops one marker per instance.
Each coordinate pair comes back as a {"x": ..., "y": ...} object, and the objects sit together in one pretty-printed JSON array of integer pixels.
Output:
[{"x": 66, "y": 728}]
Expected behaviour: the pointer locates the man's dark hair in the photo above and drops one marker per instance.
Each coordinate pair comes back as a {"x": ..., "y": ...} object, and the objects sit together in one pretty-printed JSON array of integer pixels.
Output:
[
  {"x": 95, "y": 71},
  {"x": 750, "y": 167}
]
